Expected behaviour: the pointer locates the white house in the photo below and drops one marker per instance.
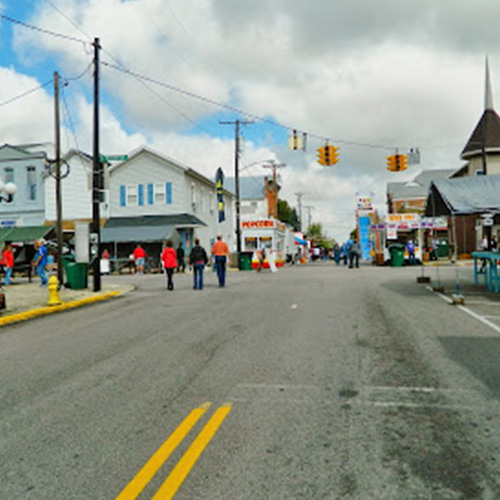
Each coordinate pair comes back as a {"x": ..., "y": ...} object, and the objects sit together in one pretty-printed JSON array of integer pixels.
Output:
[{"x": 153, "y": 198}]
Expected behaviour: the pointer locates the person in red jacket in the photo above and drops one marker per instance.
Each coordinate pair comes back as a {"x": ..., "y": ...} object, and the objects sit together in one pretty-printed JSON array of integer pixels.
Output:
[
  {"x": 169, "y": 260},
  {"x": 8, "y": 262},
  {"x": 139, "y": 259}
]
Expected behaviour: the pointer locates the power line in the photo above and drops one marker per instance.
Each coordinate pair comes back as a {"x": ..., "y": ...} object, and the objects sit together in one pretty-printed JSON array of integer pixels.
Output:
[
  {"x": 24, "y": 94},
  {"x": 240, "y": 111},
  {"x": 42, "y": 30}
]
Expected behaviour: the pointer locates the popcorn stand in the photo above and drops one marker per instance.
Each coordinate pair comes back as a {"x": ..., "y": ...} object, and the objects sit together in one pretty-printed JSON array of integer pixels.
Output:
[{"x": 267, "y": 234}]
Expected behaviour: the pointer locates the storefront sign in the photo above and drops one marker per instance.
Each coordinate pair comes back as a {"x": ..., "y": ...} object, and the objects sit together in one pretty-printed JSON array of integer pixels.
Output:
[
  {"x": 262, "y": 224},
  {"x": 364, "y": 203}
]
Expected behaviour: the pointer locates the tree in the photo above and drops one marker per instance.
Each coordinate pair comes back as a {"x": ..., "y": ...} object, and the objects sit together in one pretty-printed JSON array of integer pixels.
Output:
[{"x": 288, "y": 215}]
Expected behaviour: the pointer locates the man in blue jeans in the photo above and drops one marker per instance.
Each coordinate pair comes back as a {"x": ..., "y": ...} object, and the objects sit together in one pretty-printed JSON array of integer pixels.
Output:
[
  {"x": 220, "y": 251},
  {"x": 40, "y": 261}
]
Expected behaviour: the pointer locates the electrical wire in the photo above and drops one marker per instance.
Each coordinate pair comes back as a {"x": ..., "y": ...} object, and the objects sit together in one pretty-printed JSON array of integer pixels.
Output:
[
  {"x": 24, "y": 94},
  {"x": 42, "y": 30},
  {"x": 240, "y": 111}
]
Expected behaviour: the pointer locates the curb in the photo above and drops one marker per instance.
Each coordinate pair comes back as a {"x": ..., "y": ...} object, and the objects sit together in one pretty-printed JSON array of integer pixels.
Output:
[{"x": 34, "y": 313}]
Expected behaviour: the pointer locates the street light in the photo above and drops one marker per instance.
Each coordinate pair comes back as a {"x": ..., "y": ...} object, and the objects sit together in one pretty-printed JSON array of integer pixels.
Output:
[{"x": 10, "y": 190}]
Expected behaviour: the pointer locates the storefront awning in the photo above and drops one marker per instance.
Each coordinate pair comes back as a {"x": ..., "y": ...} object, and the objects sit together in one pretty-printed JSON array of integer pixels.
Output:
[
  {"x": 145, "y": 234},
  {"x": 24, "y": 234}
]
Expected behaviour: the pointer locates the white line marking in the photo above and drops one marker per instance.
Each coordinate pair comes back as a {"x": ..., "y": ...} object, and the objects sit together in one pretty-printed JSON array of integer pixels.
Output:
[
  {"x": 295, "y": 306},
  {"x": 485, "y": 302},
  {"x": 468, "y": 311},
  {"x": 390, "y": 404}
]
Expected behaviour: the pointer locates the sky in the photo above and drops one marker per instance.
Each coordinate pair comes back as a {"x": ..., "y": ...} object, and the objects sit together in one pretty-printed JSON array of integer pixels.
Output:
[{"x": 370, "y": 77}]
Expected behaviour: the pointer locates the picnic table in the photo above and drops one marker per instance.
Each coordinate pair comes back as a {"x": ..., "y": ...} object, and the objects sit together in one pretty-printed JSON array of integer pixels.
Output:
[{"x": 489, "y": 268}]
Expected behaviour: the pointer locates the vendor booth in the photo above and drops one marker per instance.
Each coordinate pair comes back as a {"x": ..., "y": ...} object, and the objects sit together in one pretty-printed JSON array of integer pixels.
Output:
[{"x": 267, "y": 235}]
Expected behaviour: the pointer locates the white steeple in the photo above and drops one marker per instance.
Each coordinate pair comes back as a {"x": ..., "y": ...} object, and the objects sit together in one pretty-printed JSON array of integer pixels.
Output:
[{"x": 488, "y": 94}]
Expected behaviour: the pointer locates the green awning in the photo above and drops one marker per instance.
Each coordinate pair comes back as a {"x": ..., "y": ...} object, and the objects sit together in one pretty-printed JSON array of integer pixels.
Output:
[{"x": 24, "y": 234}]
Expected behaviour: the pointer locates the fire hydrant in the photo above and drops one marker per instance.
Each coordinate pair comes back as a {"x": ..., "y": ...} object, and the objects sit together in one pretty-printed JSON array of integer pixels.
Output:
[{"x": 53, "y": 286}]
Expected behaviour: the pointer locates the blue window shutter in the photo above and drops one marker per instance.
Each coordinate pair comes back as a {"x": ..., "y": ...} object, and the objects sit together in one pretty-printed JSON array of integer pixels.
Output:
[
  {"x": 168, "y": 186},
  {"x": 150, "y": 194},
  {"x": 140, "y": 194},
  {"x": 123, "y": 196}
]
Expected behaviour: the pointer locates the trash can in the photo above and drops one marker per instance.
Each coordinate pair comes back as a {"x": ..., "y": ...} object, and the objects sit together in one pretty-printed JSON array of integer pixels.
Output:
[
  {"x": 443, "y": 248},
  {"x": 67, "y": 259},
  {"x": 245, "y": 261},
  {"x": 397, "y": 251},
  {"x": 76, "y": 275}
]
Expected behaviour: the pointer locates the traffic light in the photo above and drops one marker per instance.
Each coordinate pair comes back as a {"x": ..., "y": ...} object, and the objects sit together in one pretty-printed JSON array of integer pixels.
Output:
[
  {"x": 334, "y": 155},
  {"x": 397, "y": 163},
  {"x": 327, "y": 155},
  {"x": 321, "y": 155}
]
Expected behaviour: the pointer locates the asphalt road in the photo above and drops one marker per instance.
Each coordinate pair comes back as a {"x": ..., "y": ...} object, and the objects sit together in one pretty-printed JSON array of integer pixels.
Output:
[{"x": 317, "y": 382}]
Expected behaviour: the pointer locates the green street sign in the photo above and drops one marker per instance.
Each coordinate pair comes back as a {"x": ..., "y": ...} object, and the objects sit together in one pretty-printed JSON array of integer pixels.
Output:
[{"x": 114, "y": 158}]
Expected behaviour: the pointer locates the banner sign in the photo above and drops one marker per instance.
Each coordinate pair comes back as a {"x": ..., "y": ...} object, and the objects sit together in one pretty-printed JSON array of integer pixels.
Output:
[
  {"x": 364, "y": 203},
  {"x": 261, "y": 224},
  {"x": 219, "y": 182},
  {"x": 364, "y": 237}
]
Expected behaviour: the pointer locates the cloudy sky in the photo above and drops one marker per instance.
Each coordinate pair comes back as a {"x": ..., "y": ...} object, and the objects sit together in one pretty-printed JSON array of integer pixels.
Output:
[{"x": 369, "y": 76}]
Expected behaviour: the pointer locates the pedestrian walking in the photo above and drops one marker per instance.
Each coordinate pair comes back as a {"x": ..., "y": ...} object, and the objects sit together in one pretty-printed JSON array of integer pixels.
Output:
[
  {"x": 261, "y": 258},
  {"x": 40, "y": 261},
  {"x": 7, "y": 261},
  {"x": 169, "y": 260},
  {"x": 220, "y": 251},
  {"x": 198, "y": 260},
  {"x": 354, "y": 253},
  {"x": 181, "y": 263},
  {"x": 139, "y": 259}
]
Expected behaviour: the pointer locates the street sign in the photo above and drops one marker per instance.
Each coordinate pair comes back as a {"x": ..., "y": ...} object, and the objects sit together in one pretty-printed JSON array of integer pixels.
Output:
[
  {"x": 487, "y": 222},
  {"x": 114, "y": 158}
]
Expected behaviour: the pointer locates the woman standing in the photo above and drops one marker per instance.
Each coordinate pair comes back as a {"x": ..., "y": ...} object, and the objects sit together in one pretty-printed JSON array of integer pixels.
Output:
[{"x": 169, "y": 259}]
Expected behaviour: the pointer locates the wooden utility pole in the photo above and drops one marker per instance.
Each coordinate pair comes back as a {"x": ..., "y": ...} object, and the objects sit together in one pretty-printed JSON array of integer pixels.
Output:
[
  {"x": 59, "y": 231},
  {"x": 237, "y": 124},
  {"x": 96, "y": 177}
]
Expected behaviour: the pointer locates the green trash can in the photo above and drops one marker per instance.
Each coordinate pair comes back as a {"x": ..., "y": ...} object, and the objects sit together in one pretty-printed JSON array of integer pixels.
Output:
[
  {"x": 397, "y": 254},
  {"x": 245, "y": 261},
  {"x": 76, "y": 275},
  {"x": 443, "y": 248}
]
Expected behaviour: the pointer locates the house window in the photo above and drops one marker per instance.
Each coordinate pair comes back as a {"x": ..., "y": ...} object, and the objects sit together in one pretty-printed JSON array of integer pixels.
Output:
[
  {"x": 8, "y": 174},
  {"x": 132, "y": 197},
  {"x": 159, "y": 193},
  {"x": 193, "y": 194},
  {"x": 31, "y": 183}
]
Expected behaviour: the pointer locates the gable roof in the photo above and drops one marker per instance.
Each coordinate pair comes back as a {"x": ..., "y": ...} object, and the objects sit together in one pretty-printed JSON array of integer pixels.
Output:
[
  {"x": 487, "y": 133},
  {"x": 464, "y": 195},
  {"x": 418, "y": 187}
]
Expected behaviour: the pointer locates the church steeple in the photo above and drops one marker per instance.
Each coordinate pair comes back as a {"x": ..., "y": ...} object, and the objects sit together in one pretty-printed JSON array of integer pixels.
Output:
[
  {"x": 488, "y": 94},
  {"x": 485, "y": 138}
]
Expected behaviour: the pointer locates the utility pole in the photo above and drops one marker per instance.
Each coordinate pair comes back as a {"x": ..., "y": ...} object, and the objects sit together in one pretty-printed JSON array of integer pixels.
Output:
[
  {"x": 96, "y": 177},
  {"x": 299, "y": 203},
  {"x": 237, "y": 124},
  {"x": 59, "y": 232},
  {"x": 273, "y": 210},
  {"x": 309, "y": 208}
]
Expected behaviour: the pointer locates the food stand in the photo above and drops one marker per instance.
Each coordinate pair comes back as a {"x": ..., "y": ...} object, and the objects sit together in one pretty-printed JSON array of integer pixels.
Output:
[{"x": 268, "y": 234}]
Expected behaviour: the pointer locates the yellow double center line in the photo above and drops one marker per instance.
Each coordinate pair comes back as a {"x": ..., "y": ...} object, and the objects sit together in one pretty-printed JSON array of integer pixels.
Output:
[{"x": 175, "y": 479}]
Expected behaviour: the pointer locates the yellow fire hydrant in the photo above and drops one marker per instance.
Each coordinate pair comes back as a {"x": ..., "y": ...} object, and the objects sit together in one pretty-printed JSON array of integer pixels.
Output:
[{"x": 53, "y": 286}]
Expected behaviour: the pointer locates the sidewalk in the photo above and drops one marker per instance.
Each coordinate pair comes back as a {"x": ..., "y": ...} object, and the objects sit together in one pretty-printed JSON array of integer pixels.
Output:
[{"x": 26, "y": 300}]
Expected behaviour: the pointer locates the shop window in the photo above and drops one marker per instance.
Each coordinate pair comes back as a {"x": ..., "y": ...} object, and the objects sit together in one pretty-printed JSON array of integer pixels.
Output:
[
  {"x": 250, "y": 243},
  {"x": 31, "y": 183},
  {"x": 266, "y": 242},
  {"x": 159, "y": 193},
  {"x": 8, "y": 174}
]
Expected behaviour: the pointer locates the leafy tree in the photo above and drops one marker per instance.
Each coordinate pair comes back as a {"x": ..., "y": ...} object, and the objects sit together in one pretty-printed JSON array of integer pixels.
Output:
[{"x": 288, "y": 215}]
